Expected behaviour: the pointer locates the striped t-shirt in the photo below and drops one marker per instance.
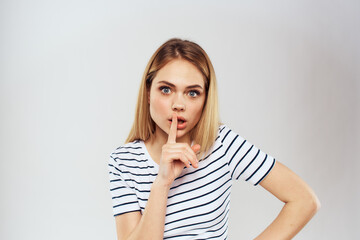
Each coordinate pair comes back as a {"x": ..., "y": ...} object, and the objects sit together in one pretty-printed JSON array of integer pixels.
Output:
[{"x": 199, "y": 199}]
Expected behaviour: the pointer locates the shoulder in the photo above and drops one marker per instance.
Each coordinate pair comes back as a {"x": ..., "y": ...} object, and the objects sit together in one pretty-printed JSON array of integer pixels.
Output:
[
  {"x": 226, "y": 138},
  {"x": 127, "y": 152},
  {"x": 224, "y": 129},
  {"x": 128, "y": 148},
  {"x": 226, "y": 135}
]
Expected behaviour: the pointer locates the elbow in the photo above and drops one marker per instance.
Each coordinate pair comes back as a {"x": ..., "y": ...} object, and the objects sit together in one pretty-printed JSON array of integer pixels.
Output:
[
  {"x": 308, "y": 204},
  {"x": 317, "y": 204},
  {"x": 313, "y": 204}
]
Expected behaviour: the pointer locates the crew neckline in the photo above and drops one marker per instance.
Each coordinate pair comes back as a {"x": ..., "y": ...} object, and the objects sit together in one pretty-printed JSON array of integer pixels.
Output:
[{"x": 147, "y": 155}]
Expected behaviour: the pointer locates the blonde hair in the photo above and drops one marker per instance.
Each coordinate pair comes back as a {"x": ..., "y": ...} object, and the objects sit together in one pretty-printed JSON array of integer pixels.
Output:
[{"x": 206, "y": 130}]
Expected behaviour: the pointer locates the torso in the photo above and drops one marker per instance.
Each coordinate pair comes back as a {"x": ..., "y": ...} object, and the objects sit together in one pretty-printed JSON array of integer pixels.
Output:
[
  {"x": 155, "y": 152},
  {"x": 198, "y": 200}
]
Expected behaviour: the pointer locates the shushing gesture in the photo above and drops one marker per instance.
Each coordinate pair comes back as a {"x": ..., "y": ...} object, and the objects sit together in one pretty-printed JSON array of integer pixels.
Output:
[{"x": 175, "y": 155}]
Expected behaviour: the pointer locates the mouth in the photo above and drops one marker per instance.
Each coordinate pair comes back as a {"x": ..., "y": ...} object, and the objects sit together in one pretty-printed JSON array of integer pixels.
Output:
[
  {"x": 181, "y": 122},
  {"x": 180, "y": 119}
]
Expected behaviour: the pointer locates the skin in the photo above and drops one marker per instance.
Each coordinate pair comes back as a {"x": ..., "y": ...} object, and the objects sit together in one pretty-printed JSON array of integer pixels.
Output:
[
  {"x": 178, "y": 88},
  {"x": 172, "y": 151}
]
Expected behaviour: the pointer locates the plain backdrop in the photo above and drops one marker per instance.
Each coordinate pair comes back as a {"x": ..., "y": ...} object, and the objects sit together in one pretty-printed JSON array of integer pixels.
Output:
[{"x": 288, "y": 76}]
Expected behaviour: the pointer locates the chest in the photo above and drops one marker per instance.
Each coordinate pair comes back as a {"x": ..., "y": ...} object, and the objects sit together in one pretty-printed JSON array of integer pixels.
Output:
[{"x": 198, "y": 200}]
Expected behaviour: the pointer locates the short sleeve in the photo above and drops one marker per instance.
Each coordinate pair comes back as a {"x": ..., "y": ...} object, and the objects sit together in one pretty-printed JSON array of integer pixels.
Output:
[
  {"x": 124, "y": 198},
  {"x": 245, "y": 160}
]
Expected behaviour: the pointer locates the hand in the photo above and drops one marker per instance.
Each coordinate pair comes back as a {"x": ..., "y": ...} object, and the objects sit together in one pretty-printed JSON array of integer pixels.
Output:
[{"x": 175, "y": 156}]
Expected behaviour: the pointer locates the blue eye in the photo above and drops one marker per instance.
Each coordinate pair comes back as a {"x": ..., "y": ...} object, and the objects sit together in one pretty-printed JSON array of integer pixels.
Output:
[
  {"x": 165, "y": 90},
  {"x": 193, "y": 93}
]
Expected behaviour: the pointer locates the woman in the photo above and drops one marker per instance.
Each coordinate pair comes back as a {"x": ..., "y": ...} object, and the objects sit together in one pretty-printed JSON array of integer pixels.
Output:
[{"x": 172, "y": 179}]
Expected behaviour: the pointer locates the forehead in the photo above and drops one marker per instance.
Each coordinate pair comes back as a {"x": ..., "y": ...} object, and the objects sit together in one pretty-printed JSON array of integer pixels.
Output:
[{"x": 180, "y": 73}]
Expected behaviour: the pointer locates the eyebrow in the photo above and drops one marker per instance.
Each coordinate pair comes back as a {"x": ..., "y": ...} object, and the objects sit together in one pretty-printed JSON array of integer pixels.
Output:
[{"x": 172, "y": 85}]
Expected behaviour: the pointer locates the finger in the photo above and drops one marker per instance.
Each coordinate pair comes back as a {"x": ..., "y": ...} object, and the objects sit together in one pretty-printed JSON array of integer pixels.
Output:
[
  {"x": 173, "y": 129},
  {"x": 180, "y": 156},
  {"x": 195, "y": 148},
  {"x": 183, "y": 152},
  {"x": 189, "y": 153}
]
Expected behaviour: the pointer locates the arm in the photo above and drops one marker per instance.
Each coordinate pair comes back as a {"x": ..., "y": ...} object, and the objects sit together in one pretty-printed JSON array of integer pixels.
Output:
[
  {"x": 150, "y": 225},
  {"x": 301, "y": 203}
]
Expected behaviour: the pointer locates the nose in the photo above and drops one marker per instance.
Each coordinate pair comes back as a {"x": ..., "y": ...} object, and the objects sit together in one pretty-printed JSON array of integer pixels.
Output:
[
  {"x": 178, "y": 107},
  {"x": 178, "y": 104}
]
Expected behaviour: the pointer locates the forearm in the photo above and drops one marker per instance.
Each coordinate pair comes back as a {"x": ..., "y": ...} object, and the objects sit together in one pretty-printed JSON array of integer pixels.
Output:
[
  {"x": 291, "y": 219},
  {"x": 151, "y": 225}
]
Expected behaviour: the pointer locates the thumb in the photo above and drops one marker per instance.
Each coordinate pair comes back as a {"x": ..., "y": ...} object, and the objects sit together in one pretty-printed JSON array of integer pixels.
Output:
[{"x": 195, "y": 147}]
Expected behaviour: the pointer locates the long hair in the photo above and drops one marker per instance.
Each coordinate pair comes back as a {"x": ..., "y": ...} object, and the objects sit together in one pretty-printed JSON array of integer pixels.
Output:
[{"x": 205, "y": 131}]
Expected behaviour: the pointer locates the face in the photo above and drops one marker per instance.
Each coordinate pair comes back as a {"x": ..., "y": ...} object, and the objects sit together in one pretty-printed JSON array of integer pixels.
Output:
[{"x": 177, "y": 87}]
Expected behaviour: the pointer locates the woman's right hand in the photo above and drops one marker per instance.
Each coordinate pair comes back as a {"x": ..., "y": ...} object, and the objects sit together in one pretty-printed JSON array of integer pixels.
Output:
[{"x": 175, "y": 156}]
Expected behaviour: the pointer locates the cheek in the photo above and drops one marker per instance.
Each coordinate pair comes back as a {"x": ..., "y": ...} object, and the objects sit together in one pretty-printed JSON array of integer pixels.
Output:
[
  {"x": 158, "y": 106},
  {"x": 196, "y": 109}
]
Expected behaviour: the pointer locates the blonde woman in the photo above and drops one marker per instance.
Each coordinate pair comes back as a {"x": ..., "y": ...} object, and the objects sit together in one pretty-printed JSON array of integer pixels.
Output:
[{"x": 172, "y": 178}]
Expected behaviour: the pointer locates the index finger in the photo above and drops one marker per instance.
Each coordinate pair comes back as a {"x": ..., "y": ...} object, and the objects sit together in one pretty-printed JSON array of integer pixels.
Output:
[{"x": 173, "y": 129}]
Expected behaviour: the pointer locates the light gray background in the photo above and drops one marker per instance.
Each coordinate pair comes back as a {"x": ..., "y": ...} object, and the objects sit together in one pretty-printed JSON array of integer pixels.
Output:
[{"x": 288, "y": 75}]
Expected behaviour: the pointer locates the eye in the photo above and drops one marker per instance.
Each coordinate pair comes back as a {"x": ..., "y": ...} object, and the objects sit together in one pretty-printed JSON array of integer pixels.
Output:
[
  {"x": 165, "y": 90},
  {"x": 193, "y": 93}
]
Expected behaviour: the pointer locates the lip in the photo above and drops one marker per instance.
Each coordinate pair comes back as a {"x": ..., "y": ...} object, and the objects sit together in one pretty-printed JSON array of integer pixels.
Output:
[
  {"x": 180, "y": 126},
  {"x": 178, "y": 118}
]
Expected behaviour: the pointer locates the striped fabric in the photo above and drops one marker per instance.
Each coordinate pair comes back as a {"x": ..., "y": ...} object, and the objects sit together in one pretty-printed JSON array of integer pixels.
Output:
[{"x": 199, "y": 199}]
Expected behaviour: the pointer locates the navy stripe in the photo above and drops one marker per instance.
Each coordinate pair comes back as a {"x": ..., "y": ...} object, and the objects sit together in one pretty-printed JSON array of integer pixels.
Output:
[
  {"x": 203, "y": 194},
  {"x": 216, "y": 230},
  {"x": 138, "y": 154},
  {"x": 225, "y": 136},
  {"x": 272, "y": 165},
  {"x": 211, "y": 153},
  {"x": 184, "y": 235},
  {"x": 210, "y": 163},
  {"x": 224, "y": 214},
  {"x": 123, "y": 147},
  {"x": 222, "y": 129},
  {"x": 131, "y": 187},
  {"x": 126, "y": 212},
  {"x": 124, "y": 204},
  {"x": 218, "y": 235},
  {"x": 141, "y": 191},
  {"x": 257, "y": 168},
  {"x": 138, "y": 174},
  {"x": 231, "y": 144},
  {"x": 114, "y": 167},
  {"x": 201, "y": 205},
  {"x": 129, "y": 159},
  {"x": 194, "y": 180},
  {"x": 142, "y": 199},
  {"x": 200, "y": 169},
  {"x": 125, "y": 195},
  {"x": 240, "y": 161},
  {"x": 147, "y": 167},
  {"x": 208, "y": 221},
  {"x": 113, "y": 189},
  {"x": 206, "y": 184},
  {"x": 237, "y": 151},
  {"x": 249, "y": 163},
  {"x": 199, "y": 215},
  {"x": 130, "y": 180}
]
